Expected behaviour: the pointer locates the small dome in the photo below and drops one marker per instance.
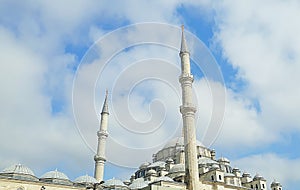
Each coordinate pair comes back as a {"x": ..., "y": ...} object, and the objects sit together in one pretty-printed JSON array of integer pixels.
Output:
[
  {"x": 144, "y": 165},
  {"x": 160, "y": 164},
  {"x": 214, "y": 167},
  {"x": 258, "y": 177},
  {"x": 55, "y": 175},
  {"x": 206, "y": 161},
  {"x": 236, "y": 170},
  {"x": 138, "y": 183},
  {"x": 18, "y": 169},
  {"x": 86, "y": 179},
  {"x": 177, "y": 168},
  {"x": 169, "y": 160},
  {"x": 179, "y": 141},
  {"x": 223, "y": 159},
  {"x": 164, "y": 178},
  {"x": 275, "y": 184},
  {"x": 113, "y": 182},
  {"x": 246, "y": 174},
  {"x": 151, "y": 171}
]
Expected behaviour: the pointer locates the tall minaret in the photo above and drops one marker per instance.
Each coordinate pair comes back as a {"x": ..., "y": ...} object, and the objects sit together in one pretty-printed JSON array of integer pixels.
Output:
[
  {"x": 188, "y": 116},
  {"x": 102, "y": 135}
]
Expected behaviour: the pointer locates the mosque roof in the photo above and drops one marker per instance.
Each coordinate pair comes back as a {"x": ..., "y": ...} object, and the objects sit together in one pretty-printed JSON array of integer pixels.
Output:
[
  {"x": 223, "y": 159},
  {"x": 18, "y": 169},
  {"x": 151, "y": 171},
  {"x": 138, "y": 184},
  {"x": 85, "y": 179},
  {"x": 164, "y": 178},
  {"x": 179, "y": 141},
  {"x": 177, "y": 168},
  {"x": 113, "y": 182},
  {"x": 205, "y": 160},
  {"x": 258, "y": 177},
  {"x": 157, "y": 164},
  {"x": 55, "y": 175}
]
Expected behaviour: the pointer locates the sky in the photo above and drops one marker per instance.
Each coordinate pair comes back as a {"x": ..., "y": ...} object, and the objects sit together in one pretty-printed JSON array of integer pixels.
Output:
[{"x": 58, "y": 57}]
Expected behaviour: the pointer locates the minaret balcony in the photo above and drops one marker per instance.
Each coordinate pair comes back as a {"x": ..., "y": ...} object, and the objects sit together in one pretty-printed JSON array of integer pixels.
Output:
[
  {"x": 186, "y": 78},
  {"x": 102, "y": 134},
  {"x": 98, "y": 158},
  {"x": 188, "y": 109}
]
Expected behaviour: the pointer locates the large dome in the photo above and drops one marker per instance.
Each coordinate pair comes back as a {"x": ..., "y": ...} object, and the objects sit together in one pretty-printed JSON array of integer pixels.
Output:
[
  {"x": 179, "y": 141},
  {"x": 18, "y": 169}
]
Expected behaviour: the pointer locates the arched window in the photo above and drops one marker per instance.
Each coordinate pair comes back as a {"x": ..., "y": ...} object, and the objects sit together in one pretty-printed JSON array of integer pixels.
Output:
[
  {"x": 212, "y": 178},
  {"x": 220, "y": 177}
]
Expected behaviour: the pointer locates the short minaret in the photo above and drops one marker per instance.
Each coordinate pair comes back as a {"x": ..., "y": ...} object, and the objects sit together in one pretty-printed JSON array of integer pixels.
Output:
[
  {"x": 188, "y": 110},
  {"x": 102, "y": 135}
]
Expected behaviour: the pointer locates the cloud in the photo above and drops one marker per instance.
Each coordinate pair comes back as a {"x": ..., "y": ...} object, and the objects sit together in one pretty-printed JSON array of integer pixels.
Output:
[
  {"x": 271, "y": 166},
  {"x": 264, "y": 48}
]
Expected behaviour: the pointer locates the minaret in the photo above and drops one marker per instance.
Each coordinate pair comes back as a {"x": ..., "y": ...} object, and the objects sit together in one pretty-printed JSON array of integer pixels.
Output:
[
  {"x": 188, "y": 116},
  {"x": 102, "y": 135}
]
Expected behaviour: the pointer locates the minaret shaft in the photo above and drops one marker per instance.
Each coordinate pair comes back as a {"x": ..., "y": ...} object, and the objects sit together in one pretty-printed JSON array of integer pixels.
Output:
[
  {"x": 102, "y": 135},
  {"x": 188, "y": 111}
]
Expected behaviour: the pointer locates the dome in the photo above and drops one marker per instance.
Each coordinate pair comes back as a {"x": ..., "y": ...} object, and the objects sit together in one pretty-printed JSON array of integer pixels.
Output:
[
  {"x": 214, "y": 167},
  {"x": 169, "y": 160},
  {"x": 144, "y": 165},
  {"x": 160, "y": 164},
  {"x": 85, "y": 179},
  {"x": 151, "y": 171},
  {"x": 138, "y": 183},
  {"x": 164, "y": 178},
  {"x": 223, "y": 159},
  {"x": 258, "y": 177},
  {"x": 205, "y": 160},
  {"x": 179, "y": 141},
  {"x": 18, "y": 169},
  {"x": 275, "y": 183},
  {"x": 246, "y": 174},
  {"x": 177, "y": 168},
  {"x": 113, "y": 182},
  {"x": 55, "y": 175}
]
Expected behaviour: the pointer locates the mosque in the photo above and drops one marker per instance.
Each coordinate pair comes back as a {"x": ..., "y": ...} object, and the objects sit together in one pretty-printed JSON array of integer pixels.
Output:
[{"x": 183, "y": 163}]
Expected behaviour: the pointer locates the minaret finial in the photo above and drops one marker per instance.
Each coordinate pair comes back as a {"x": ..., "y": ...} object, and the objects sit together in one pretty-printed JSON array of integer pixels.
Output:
[
  {"x": 105, "y": 104},
  {"x": 184, "y": 48}
]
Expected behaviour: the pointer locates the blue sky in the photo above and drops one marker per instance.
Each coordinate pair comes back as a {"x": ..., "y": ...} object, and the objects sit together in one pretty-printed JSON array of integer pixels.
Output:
[{"x": 45, "y": 47}]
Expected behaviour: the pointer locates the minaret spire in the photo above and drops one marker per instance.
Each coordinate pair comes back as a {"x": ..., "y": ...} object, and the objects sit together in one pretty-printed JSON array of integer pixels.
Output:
[
  {"x": 188, "y": 111},
  {"x": 102, "y": 135},
  {"x": 184, "y": 48}
]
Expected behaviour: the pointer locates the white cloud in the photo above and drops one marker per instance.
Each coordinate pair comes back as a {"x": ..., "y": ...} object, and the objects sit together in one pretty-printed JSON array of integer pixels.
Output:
[
  {"x": 271, "y": 166},
  {"x": 261, "y": 41}
]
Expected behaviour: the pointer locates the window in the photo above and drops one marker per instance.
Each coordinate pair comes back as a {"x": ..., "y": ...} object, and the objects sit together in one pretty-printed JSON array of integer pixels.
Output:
[
  {"x": 256, "y": 186},
  {"x": 263, "y": 186},
  {"x": 212, "y": 178},
  {"x": 251, "y": 186},
  {"x": 220, "y": 177}
]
